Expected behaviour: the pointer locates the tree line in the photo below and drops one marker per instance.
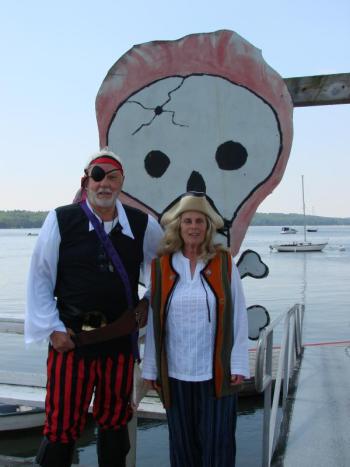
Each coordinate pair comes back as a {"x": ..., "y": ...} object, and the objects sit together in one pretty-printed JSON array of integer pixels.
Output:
[
  {"x": 20, "y": 219},
  {"x": 296, "y": 219}
]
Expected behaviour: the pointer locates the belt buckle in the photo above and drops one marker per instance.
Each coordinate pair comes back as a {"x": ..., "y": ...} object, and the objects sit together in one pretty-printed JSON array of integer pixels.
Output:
[{"x": 93, "y": 320}]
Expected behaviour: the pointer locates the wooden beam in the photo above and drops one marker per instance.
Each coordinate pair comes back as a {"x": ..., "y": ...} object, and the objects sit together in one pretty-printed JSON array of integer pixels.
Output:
[
  {"x": 319, "y": 90},
  {"x": 12, "y": 325}
]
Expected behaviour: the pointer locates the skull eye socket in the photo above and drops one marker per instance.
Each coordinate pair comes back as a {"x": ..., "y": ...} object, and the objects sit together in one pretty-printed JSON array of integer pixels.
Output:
[
  {"x": 156, "y": 163},
  {"x": 231, "y": 155}
]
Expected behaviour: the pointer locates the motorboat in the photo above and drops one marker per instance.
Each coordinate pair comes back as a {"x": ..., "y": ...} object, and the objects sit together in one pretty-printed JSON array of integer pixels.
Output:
[
  {"x": 297, "y": 246},
  {"x": 304, "y": 246},
  {"x": 288, "y": 230},
  {"x": 20, "y": 417}
]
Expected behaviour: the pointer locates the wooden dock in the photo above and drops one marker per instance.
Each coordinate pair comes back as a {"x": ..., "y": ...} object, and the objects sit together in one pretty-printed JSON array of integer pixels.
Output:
[
  {"x": 23, "y": 381},
  {"x": 23, "y": 373},
  {"x": 28, "y": 388}
]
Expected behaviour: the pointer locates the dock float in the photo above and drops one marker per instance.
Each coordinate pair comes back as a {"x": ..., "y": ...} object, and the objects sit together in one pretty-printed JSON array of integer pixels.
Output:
[{"x": 22, "y": 387}]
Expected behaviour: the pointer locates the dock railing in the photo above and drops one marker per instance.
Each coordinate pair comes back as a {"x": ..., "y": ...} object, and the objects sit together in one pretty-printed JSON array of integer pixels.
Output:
[{"x": 290, "y": 351}]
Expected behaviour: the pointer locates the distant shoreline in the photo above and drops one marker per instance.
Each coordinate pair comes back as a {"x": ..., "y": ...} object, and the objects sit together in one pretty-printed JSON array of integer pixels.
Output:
[{"x": 20, "y": 219}]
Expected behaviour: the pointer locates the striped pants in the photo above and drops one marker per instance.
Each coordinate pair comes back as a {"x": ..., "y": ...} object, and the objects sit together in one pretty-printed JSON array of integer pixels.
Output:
[
  {"x": 201, "y": 427},
  {"x": 71, "y": 382}
]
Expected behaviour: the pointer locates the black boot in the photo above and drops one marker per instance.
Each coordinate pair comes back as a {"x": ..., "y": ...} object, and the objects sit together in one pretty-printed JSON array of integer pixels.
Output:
[
  {"x": 55, "y": 454},
  {"x": 112, "y": 447}
]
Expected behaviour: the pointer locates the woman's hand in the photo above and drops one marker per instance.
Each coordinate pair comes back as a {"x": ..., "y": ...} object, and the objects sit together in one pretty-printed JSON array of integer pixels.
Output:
[
  {"x": 236, "y": 380},
  {"x": 152, "y": 384}
]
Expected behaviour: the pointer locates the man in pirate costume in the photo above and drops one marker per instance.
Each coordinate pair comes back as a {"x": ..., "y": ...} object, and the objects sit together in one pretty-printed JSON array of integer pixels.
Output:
[{"x": 82, "y": 296}]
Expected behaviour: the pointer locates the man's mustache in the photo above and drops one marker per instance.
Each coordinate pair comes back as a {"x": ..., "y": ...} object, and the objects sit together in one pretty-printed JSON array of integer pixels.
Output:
[{"x": 104, "y": 191}]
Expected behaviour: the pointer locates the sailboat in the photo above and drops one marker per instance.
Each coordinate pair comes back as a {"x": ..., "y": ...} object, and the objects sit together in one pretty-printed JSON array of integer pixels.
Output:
[{"x": 299, "y": 246}]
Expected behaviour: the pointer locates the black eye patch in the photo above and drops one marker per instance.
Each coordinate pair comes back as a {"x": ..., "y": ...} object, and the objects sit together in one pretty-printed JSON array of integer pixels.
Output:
[
  {"x": 156, "y": 163},
  {"x": 98, "y": 174},
  {"x": 231, "y": 155}
]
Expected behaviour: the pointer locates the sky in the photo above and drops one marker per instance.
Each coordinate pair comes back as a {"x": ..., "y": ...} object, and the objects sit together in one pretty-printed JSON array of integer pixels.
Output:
[{"x": 55, "y": 55}]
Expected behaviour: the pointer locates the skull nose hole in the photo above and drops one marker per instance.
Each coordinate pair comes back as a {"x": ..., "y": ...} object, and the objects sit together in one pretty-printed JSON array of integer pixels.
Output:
[{"x": 196, "y": 182}]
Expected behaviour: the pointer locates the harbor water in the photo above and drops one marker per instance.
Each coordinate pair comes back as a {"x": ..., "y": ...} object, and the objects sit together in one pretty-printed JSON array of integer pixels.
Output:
[{"x": 319, "y": 280}]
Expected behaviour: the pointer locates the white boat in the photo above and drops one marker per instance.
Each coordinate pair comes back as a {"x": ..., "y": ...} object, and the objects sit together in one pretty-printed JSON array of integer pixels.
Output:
[
  {"x": 304, "y": 246},
  {"x": 288, "y": 230},
  {"x": 297, "y": 246},
  {"x": 20, "y": 417}
]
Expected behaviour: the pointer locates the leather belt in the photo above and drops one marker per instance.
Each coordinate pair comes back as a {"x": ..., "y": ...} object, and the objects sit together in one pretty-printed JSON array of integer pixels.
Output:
[
  {"x": 122, "y": 326},
  {"x": 93, "y": 320}
]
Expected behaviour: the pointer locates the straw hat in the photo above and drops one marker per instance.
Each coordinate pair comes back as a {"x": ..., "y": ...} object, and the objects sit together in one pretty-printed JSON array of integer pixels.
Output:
[{"x": 192, "y": 201}]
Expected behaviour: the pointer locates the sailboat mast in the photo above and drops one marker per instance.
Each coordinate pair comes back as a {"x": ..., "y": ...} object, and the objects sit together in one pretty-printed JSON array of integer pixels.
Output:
[{"x": 302, "y": 186}]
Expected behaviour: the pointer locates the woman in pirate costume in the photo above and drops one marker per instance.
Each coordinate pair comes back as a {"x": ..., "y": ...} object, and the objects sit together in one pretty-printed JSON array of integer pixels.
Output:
[{"x": 196, "y": 352}]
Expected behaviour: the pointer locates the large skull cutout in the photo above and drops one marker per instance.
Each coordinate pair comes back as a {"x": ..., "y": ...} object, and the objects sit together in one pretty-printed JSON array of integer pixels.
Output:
[{"x": 204, "y": 113}]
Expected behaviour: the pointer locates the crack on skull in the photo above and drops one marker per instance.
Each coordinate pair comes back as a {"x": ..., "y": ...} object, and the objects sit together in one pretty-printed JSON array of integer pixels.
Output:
[{"x": 159, "y": 109}]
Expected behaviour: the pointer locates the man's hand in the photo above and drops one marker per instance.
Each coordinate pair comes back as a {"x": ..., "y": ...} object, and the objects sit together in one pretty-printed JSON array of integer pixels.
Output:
[
  {"x": 236, "y": 380},
  {"x": 141, "y": 312},
  {"x": 61, "y": 341}
]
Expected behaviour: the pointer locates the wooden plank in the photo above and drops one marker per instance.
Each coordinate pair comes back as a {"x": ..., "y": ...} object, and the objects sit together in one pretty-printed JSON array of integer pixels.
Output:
[
  {"x": 24, "y": 395},
  {"x": 12, "y": 325},
  {"x": 150, "y": 406},
  {"x": 319, "y": 90},
  {"x": 27, "y": 384},
  {"x": 24, "y": 378},
  {"x": 29, "y": 389},
  {"x": 9, "y": 461},
  {"x": 21, "y": 378}
]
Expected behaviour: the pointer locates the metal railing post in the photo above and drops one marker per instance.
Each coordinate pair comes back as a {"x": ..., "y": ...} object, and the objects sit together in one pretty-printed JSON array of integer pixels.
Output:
[
  {"x": 290, "y": 351},
  {"x": 267, "y": 400}
]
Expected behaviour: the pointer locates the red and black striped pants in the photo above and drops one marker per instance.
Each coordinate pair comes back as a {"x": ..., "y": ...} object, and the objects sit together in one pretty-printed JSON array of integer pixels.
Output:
[{"x": 72, "y": 380}]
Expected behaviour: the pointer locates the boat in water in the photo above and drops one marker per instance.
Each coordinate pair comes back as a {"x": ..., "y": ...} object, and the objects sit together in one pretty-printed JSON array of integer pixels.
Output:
[
  {"x": 297, "y": 246},
  {"x": 310, "y": 229},
  {"x": 304, "y": 246},
  {"x": 288, "y": 230},
  {"x": 20, "y": 417}
]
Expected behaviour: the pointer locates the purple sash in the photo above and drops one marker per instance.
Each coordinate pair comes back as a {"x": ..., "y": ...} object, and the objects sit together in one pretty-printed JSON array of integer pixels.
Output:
[{"x": 117, "y": 263}]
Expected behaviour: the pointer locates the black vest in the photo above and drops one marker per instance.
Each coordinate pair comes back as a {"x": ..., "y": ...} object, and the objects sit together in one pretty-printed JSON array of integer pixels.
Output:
[{"x": 86, "y": 280}]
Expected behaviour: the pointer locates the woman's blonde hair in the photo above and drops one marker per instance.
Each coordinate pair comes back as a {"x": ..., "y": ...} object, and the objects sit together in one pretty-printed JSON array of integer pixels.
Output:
[{"x": 173, "y": 242}]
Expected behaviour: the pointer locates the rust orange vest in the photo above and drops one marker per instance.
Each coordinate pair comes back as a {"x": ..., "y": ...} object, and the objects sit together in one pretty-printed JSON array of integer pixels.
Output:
[{"x": 217, "y": 274}]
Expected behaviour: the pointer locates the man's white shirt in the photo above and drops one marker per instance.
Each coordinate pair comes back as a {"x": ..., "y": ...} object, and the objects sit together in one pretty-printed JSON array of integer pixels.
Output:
[{"x": 41, "y": 316}]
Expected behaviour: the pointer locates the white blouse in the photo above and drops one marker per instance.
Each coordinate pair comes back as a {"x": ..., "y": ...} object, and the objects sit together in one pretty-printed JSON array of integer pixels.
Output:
[{"x": 190, "y": 328}]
